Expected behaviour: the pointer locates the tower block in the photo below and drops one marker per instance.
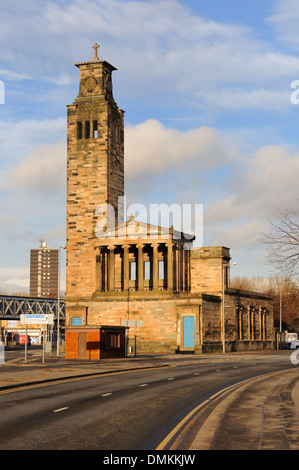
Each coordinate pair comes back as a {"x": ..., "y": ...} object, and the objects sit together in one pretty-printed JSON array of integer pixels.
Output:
[{"x": 95, "y": 170}]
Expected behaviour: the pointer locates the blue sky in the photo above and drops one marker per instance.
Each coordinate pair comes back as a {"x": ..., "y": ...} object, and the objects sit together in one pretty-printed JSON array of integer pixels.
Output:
[{"x": 205, "y": 86}]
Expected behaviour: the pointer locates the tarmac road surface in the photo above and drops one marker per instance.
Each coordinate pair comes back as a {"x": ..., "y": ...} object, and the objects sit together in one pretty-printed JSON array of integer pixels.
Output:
[{"x": 140, "y": 409}]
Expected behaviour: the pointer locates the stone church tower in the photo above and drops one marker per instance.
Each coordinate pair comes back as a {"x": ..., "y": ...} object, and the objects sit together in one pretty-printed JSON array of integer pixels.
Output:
[{"x": 95, "y": 169}]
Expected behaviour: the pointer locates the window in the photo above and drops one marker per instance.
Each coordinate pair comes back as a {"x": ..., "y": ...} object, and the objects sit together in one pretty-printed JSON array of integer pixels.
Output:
[
  {"x": 87, "y": 129},
  {"x": 132, "y": 270},
  {"x": 79, "y": 130},
  {"x": 226, "y": 276},
  {"x": 95, "y": 129},
  {"x": 113, "y": 340},
  {"x": 161, "y": 270},
  {"x": 147, "y": 270}
]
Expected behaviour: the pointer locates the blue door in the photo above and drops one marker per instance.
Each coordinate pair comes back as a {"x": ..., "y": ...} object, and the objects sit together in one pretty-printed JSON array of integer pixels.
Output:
[{"x": 188, "y": 332}]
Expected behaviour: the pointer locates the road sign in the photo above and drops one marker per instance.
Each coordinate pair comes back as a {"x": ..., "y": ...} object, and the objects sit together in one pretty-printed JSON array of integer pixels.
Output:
[
  {"x": 132, "y": 323},
  {"x": 37, "y": 319}
]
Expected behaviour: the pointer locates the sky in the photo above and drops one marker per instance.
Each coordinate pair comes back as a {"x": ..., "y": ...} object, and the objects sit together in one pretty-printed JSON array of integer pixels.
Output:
[{"x": 210, "y": 115}]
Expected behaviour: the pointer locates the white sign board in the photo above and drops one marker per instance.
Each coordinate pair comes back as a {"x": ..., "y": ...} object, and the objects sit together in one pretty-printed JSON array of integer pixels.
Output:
[
  {"x": 132, "y": 323},
  {"x": 37, "y": 319},
  {"x": 2, "y": 352}
]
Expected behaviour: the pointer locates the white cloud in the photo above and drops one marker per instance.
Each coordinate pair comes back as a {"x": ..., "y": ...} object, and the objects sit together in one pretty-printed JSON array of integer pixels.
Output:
[
  {"x": 269, "y": 179},
  {"x": 18, "y": 282},
  {"x": 14, "y": 279},
  {"x": 165, "y": 51},
  {"x": 19, "y": 138},
  {"x": 245, "y": 235},
  {"x": 260, "y": 183},
  {"x": 43, "y": 170},
  {"x": 284, "y": 19},
  {"x": 151, "y": 148},
  {"x": 18, "y": 271}
]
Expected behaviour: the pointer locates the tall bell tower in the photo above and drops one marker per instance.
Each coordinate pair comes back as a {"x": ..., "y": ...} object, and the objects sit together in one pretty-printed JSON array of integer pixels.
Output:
[{"x": 95, "y": 169}]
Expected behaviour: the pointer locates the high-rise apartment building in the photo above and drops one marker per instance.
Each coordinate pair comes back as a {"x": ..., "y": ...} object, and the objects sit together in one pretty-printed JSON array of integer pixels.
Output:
[{"x": 44, "y": 271}]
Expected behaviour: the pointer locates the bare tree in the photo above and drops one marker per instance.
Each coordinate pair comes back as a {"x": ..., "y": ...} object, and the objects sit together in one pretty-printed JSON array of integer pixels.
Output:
[{"x": 282, "y": 241}]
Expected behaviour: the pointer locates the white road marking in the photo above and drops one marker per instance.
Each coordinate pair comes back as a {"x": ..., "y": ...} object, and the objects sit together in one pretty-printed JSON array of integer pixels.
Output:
[{"x": 61, "y": 409}]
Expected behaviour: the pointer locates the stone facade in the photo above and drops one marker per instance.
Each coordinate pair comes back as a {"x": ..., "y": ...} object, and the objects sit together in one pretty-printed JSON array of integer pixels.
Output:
[{"x": 135, "y": 272}]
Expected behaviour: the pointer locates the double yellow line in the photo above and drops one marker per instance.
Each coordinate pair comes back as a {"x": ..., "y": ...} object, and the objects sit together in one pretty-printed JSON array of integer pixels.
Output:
[{"x": 203, "y": 405}]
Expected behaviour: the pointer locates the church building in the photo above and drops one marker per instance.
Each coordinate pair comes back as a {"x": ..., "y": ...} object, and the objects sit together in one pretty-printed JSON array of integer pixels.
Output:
[{"x": 132, "y": 286}]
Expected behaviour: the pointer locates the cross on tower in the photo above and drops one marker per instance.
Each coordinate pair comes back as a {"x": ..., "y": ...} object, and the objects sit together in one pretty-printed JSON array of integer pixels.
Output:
[{"x": 95, "y": 46}]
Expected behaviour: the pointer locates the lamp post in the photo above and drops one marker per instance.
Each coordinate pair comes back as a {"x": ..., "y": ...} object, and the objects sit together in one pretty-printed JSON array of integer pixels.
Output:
[
  {"x": 58, "y": 301},
  {"x": 280, "y": 316},
  {"x": 223, "y": 308}
]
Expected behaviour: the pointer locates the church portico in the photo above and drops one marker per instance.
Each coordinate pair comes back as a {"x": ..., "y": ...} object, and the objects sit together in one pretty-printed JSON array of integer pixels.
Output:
[{"x": 142, "y": 267}]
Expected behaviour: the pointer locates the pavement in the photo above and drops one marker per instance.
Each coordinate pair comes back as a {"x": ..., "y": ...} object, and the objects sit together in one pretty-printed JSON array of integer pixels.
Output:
[{"x": 260, "y": 414}]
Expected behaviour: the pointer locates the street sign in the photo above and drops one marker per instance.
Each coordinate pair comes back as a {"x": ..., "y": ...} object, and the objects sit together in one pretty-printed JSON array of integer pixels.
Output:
[
  {"x": 2, "y": 352},
  {"x": 37, "y": 319},
  {"x": 132, "y": 323}
]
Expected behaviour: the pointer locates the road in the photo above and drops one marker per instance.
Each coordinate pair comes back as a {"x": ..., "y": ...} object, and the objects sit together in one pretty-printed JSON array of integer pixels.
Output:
[{"x": 126, "y": 411}]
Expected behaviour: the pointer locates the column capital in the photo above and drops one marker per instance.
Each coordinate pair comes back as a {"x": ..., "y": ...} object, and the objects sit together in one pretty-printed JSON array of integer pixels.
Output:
[{"x": 155, "y": 245}]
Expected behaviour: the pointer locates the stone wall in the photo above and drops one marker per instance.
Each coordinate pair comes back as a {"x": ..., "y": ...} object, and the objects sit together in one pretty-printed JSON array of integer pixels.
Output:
[
  {"x": 249, "y": 320},
  {"x": 207, "y": 269}
]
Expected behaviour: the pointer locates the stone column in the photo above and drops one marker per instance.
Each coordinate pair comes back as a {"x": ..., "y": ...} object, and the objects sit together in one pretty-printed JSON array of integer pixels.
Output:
[
  {"x": 260, "y": 322},
  {"x": 240, "y": 323},
  {"x": 126, "y": 267},
  {"x": 140, "y": 268},
  {"x": 99, "y": 281},
  {"x": 179, "y": 267},
  {"x": 249, "y": 323},
  {"x": 104, "y": 269},
  {"x": 111, "y": 269},
  {"x": 177, "y": 270},
  {"x": 183, "y": 269},
  {"x": 170, "y": 267},
  {"x": 155, "y": 266},
  {"x": 252, "y": 322}
]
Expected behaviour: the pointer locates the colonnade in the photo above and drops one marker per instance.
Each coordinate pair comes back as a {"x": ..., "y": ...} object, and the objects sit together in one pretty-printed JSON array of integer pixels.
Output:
[
  {"x": 254, "y": 320},
  {"x": 142, "y": 266}
]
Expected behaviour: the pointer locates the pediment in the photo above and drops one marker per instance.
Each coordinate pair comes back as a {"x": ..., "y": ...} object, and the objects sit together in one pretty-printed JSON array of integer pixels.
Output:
[{"x": 133, "y": 229}]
